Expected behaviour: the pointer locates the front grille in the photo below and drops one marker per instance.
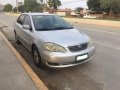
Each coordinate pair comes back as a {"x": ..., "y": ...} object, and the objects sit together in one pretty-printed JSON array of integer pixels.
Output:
[{"x": 79, "y": 47}]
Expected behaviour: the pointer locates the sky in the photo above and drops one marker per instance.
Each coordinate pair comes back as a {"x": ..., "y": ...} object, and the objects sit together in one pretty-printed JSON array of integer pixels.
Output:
[
  {"x": 74, "y": 3},
  {"x": 65, "y": 3},
  {"x": 13, "y": 2}
]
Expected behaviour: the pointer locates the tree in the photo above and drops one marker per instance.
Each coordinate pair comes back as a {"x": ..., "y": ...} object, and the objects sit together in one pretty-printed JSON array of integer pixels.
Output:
[
  {"x": 38, "y": 8},
  {"x": 78, "y": 10},
  {"x": 8, "y": 8},
  {"x": 94, "y": 5},
  {"x": 15, "y": 9},
  {"x": 54, "y": 4},
  {"x": 116, "y": 6},
  {"x": 32, "y": 6},
  {"x": 110, "y": 6},
  {"x": 21, "y": 8}
]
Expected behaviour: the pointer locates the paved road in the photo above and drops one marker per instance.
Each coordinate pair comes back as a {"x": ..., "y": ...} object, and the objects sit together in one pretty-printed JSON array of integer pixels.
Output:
[{"x": 101, "y": 73}]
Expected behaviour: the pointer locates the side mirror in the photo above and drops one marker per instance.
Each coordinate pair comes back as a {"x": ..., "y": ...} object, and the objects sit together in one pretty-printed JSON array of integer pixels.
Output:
[{"x": 27, "y": 27}]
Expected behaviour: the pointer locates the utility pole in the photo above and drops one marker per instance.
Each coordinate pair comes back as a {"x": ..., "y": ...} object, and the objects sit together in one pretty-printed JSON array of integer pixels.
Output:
[
  {"x": 17, "y": 5},
  {"x": 44, "y": 6}
]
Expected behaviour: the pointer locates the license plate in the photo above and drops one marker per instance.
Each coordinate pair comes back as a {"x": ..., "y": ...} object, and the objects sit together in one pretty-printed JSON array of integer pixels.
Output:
[{"x": 82, "y": 57}]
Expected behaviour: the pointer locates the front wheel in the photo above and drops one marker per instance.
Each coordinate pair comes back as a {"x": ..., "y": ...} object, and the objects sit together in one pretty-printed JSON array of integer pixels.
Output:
[{"x": 36, "y": 56}]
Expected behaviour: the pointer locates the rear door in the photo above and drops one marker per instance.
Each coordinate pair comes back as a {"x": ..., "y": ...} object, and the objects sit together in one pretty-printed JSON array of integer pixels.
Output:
[{"x": 19, "y": 27}]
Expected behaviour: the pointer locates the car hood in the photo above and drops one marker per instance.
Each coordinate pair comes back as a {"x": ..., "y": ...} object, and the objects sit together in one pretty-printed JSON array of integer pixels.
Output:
[{"x": 64, "y": 37}]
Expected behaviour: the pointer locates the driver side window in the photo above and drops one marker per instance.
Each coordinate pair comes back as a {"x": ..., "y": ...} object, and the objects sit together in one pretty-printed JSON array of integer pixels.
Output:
[{"x": 27, "y": 20}]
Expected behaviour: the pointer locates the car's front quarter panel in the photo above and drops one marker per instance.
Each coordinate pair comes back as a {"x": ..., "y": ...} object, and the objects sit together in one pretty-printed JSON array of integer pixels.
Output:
[{"x": 39, "y": 40}]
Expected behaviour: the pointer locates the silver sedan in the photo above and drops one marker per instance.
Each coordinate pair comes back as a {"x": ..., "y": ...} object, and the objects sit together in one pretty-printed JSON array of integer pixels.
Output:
[{"x": 53, "y": 41}]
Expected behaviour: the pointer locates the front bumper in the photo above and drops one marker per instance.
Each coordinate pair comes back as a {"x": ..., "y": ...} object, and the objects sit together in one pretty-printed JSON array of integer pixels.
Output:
[{"x": 60, "y": 60}]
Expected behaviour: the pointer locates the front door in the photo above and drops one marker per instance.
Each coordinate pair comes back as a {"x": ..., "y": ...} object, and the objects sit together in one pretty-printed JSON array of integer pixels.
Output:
[{"x": 28, "y": 34}]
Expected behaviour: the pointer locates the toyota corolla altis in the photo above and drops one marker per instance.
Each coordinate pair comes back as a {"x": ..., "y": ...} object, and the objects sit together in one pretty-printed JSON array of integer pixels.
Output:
[{"x": 53, "y": 41}]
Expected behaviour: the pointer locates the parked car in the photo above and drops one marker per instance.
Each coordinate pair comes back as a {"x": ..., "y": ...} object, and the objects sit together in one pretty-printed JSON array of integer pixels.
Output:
[{"x": 52, "y": 40}]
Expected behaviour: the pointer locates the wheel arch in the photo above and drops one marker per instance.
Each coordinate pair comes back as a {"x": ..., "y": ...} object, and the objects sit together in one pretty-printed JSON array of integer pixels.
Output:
[{"x": 33, "y": 45}]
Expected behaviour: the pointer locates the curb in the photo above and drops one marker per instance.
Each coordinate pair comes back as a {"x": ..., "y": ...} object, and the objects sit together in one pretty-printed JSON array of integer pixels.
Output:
[
  {"x": 39, "y": 84},
  {"x": 12, "y": 14}
]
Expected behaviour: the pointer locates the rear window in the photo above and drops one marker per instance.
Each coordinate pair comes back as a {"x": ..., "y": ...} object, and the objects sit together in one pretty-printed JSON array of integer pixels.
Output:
[{"x": 21, "y": 19}]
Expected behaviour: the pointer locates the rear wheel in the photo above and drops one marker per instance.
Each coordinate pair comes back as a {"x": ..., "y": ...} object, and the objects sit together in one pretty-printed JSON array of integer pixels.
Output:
[
  {"x": 36, "y": 56},
  {"x": 16, "y": 38}
]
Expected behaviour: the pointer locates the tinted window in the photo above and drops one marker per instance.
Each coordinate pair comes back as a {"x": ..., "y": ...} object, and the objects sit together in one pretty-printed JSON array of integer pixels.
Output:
[
  {"x": 27, "y": 21},
  {"x": 50, "y": 22},
  {"x": 21, "y": 19}
]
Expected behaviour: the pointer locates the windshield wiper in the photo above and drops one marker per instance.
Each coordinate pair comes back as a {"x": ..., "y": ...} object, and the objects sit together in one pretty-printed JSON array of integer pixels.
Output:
[
  {"x": 44, "y": 29},
  {"x": 56, "y": 28},
  {"x": 61, "y": 28}
]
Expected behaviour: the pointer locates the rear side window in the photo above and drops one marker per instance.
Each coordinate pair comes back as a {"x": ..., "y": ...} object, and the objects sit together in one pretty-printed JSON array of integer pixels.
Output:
[{"x": 21, "y": 19}]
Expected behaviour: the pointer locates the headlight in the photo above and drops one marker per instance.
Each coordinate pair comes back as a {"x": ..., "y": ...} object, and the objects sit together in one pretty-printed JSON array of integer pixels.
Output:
[
  {"x": 90, "y": 43},
  {"x": 54, "y": 47}
]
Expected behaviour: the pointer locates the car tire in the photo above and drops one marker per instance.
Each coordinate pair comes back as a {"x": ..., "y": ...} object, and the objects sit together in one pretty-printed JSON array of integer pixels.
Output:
[
  {"x": 36, "y": 57},
  {"x": 16, "y": 38}
]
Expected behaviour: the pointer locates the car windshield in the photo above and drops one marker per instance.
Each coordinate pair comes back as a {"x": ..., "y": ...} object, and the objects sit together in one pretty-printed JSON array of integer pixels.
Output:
[{"x": 50, "y": 22}]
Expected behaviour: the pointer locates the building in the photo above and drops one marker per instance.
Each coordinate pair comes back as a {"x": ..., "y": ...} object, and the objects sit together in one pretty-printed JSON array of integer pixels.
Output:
[
  {"x": 1, "y": 7},
  {"x": 64, "y": 12}
]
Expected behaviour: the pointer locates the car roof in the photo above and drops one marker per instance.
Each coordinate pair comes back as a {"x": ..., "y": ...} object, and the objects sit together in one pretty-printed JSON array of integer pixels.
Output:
[{"x": 38, "y": 14}]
